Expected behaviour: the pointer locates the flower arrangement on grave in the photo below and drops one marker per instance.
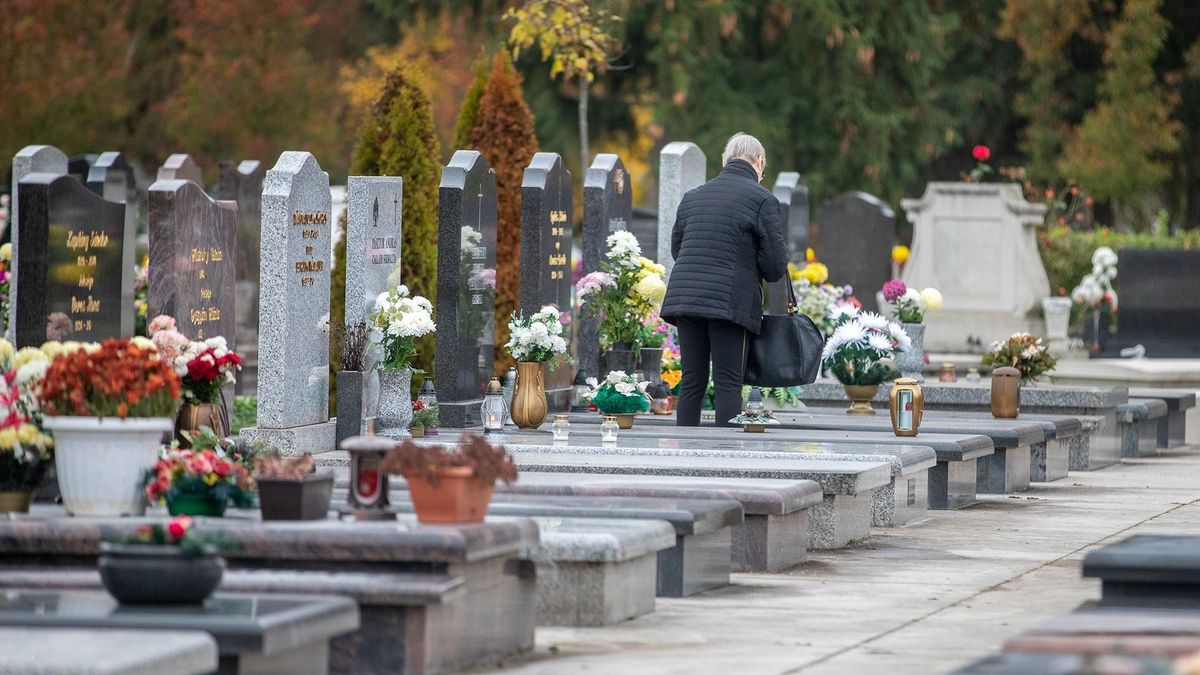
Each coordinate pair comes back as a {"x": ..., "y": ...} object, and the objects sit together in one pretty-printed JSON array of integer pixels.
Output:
[
  {"x": 862, "y": 348},
  {"x": 398, "y": 321},
  {"x": 534, "y": 341},
  {"x": 119, "y": 378},
  {"x": 982, "y": 170},
  {"x": 141, "y": 297},
  {"x": 168, "y": 563},
  {"x": 908, "y": 304},
  {"x": 204, "y": 367},
  {"x": 25, "y": 450},
  {"x": 624, "y": 292},
  {"x": 200, "y": 481},
  {"x": 451, "y": 485},
  {"x": 425, "y": 416},
  {"x": 815, "y": 297},
  {"x": 620, "y": 394},
  {"x": 1095, "y": 289},
  {"x": 5, "y": 280},
  {"x": 289, "y": 487},
  {"x": 1024, "y": 352}
]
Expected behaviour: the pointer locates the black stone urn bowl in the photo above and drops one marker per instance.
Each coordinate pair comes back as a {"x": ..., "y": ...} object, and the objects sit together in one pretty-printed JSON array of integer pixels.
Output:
[{"x": 137, "y": 574}]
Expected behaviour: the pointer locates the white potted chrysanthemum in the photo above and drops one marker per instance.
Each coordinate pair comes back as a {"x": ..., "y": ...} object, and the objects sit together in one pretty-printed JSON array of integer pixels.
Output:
[
  {"x": 397, "y": 322},
  {"x": 534, "y": 342}
]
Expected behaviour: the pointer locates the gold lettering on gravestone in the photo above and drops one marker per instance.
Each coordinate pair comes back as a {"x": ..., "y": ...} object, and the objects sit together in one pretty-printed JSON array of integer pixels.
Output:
[
  {"x": 204, "y": 310},
  {"x": 306, "y": 267},
  {"x": 77, "y": 242},
  {"x": 558, "y": 217}
]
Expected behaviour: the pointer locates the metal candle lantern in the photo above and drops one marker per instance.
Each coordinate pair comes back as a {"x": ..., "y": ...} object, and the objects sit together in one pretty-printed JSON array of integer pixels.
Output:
[
  {"x": 1006, "y": 392},
  {"x": 368, "y": 497},
  {"x": 508, "y": 386},
  {"x": 427, "y": 393},
  {"x": 494, "y": 410},
  {"x": 907, "y": 403}
]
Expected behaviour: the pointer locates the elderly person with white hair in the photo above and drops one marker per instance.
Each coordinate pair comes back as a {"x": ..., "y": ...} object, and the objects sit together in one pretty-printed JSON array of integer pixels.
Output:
[{"x": 727, "y": 240}]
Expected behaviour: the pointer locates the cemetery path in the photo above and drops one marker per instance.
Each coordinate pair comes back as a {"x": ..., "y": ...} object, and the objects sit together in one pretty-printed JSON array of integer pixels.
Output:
[{"x": 925, "y": 598}]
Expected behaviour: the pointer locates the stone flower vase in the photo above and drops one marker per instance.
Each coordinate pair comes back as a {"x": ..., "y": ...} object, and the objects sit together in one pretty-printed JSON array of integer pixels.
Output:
[
  {"x": 620, "y": 357},
  {"x": 349, "y": 404},
  {"x": 159, "y": 575},
  {"x": 651, "y": 364},
  {"x": 1057, "y": 313},
  {"x": 912, "y": 362},
  {"x": 395, "y": 402},
  {"x": 529, "y": 406}
]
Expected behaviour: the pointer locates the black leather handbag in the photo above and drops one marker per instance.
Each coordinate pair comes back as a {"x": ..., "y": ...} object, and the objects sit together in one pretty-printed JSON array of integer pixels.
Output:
[{"x": 787, "y": 350}]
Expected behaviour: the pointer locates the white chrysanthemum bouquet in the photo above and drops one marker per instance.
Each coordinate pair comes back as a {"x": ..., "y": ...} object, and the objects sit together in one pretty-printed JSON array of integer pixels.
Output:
[
  {"x": 538, "y": 338},
  {"x": 397, "y": 322},
  {"x": 862, "y": 346}
]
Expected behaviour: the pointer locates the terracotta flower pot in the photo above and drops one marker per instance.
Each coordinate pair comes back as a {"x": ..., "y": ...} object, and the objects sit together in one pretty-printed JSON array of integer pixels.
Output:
[
  {"x": 158, "y": 575},
  {"x": 529, "y": 406},
  {"x": 192, "y": 416},
  {"x": 457, "y": 497},
  {"x": 860, "y": 398},
  {"x": 197, "y": 505}
]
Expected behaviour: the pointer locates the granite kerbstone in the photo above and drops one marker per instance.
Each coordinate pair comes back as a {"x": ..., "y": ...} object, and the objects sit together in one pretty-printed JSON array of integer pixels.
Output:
[
  {"x": 607, "y": 208},
  {"x": 1048, "y": 460},
  {"x": 242, "y": 182},
  {"x": 112, "y": 178},
  {"x": 1172, "y": 432},
  {"x": 1114, "y": 630},
  {"x": 293, "y": 377},
  {"x": 181, "y": 166},
  {"x": 29, "y": 159},
  {"x": 466, "y": 305},
  {"x": 1148, "y": 571},
  {"x": 374, "y": 232},
  {"x": 1138, "y": 422},
  {"x": 681, "y": 167},
  {"x": 1066, "y": 664},
  {"x": 109, "y": 652}
]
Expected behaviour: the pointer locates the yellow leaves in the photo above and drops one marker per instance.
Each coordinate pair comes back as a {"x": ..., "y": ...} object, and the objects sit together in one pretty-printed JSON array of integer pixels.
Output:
[{"x": 570, "y": 35}]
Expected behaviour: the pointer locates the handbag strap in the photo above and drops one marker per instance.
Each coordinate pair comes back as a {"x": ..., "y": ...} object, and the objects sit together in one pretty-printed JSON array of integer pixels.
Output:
[{"x": 793, "y": 307}]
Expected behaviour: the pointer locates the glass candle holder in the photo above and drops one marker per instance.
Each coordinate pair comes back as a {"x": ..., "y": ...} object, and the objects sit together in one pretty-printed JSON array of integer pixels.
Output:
[
  {"x": 562, "y": 428},
  {"x": 608, "y": 430}
]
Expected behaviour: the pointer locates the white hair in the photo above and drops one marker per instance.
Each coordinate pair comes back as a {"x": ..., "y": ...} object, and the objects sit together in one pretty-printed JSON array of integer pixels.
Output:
[{"x": 743, "y": 146}]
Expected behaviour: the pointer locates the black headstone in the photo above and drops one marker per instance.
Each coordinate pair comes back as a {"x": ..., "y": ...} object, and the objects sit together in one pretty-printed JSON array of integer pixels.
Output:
[
  {"x": 466, "y": 307},
  {"x": 242, "y": 182},
  {"x": 112, "y": 178},
  {"x": 80, "y": 165},
  {"x": 1159, "y": 294},
  {"x": 853, "y": 236},
  {"x": 607, "y": 208},
  {"x": 547, "y": 215},
  {"x": 192, "y": 241},
  {"x": 70, "y": 264},
  {"x": 644, "y": 226}
]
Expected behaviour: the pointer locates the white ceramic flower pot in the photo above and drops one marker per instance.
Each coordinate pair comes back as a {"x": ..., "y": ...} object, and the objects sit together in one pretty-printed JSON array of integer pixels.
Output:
[{"x": 101, "y": 461}]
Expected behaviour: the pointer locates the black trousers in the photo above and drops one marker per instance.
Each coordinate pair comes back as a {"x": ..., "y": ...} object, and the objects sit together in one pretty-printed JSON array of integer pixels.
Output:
[{"x": 724, "y": 344}]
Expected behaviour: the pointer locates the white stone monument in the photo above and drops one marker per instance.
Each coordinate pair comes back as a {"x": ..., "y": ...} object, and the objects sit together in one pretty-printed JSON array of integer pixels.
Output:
[
  {"x": 681, "y": 167},
  {"x": 976, "y": 243},
  {"x": 293, "y": 334}
]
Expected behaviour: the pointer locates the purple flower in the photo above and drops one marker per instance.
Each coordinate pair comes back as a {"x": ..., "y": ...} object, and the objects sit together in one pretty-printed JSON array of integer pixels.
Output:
[{"x": 894, "y": 290}]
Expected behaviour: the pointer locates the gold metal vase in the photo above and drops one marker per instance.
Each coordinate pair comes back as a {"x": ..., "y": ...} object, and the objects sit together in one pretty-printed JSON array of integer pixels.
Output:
[
  {"x": 529, "y": 406},
  {"x": 860, "y": 396},
  {"x": 192, "y": 416}
]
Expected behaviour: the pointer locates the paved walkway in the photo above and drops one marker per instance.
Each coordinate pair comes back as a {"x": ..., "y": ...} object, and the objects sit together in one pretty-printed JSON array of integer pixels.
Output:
[{"x": 925, "y": 598}]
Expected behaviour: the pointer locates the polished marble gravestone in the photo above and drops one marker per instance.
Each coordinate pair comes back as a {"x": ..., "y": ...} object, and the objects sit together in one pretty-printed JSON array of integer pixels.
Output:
[
  {"x": 547, "y": 217},
  {"x": 373, "y": 237},
  {"x": 242, "y": 182},
  {"x": 853, "y": 236},
  {"x": 70, "y": 262},
  {"x": 793, "y": 221},
  {"x": 181, "y": 166},
  {"x": 1160, "y": 302},
  {"x": 607, "y": 208},
  {"x": 30, "y": 159},
  {"x": 293, "y": 339},
  {"x": 192, "y": 243},
  {"x": 466, "y": 288},
  {"x": 644, "y": 226},
  {"x": 681, "y": 167},
  {"x": 112, "y": 178}
]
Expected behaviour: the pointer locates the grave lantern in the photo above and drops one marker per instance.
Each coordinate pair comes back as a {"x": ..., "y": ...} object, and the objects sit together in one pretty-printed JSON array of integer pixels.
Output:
[
  {"x": 1006, "y": 392},
  {"x": 579, "y": 400},
  {"x": 660, "y": 398},
  {"x": 427, "y": 394},
  {"x": 368, "y": 497},
  {"x": 494, "y": 410},
  {"x": 907, "y": 403},
  {"x": 754, "y": 403}
]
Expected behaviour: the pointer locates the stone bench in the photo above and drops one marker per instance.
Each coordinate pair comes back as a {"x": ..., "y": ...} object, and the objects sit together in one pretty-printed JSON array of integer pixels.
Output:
[
  {"x": 1138, "y": 421},
  {"x": 1124, "y": 631},
  {"x": 107, "y": 652},
  {"x": 950, "y": 483},
  {"x": 1004, "y": 471},
  {"x": 431, "y": 599},
  {"x": 1147, "y": 571},
  {"x": 1172, "y": 431},
  {"x": 1099, "y": 448},
  {"x": 254, "y": 633},
  {"x": 772, "y": 537}
]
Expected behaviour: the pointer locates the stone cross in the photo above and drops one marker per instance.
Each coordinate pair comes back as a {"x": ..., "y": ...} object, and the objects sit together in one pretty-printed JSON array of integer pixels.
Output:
[
  {"x": 466, "y": 295},
  {"x": 242, "y": 182},
  {"x": 853, "y": 236},
  {"x": 181, "y": 166},
  {"x": 373, "y": 231},
  {"x": 293, "y": 338},
  {"x": 547, "y": 217},
  {"x": 607, "y": 208},
  {"x": 681, "y": 167},
  {"x": 70, "y": 262},
  {"x": 30, "y": 159},
  {"x": 112, "y": 178}
]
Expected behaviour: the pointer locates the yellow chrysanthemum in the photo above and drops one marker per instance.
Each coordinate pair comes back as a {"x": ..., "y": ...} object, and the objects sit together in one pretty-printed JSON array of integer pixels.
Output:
[
  {"x": 900, "y": 254},
  {"x": 6, "y": 351},
  {"x": 793, "y": 272},
  {"x": 652, "y": 288},
  {"x": 6, "y": 252},
  {"x": 652, "y": 267},
  {"x": 816, "y": 273},
  {"x": 26, "y": 355},
  {"x": 8, "y": 438}
]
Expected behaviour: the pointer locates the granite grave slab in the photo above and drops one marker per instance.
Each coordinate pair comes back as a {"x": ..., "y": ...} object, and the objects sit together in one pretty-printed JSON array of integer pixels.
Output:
[
  {"x": 1138, "y": 424},
  {"x": 242, "y": 182},
  {"x": 1066, "y": 664},
  {"x": 107, "y": 652},
  {"x": 607, "y": 208},
  {"x": 1173, "y": 429},
  {"x": 1160, "y": 308},
  {"x": 1148, "y": 571},
  {"x": 1114, "y": 630},
  {"x": 29, "y": 159},
  {"x": 466, "y": 308},
  {"x": 1048, "y": 461},
  {"x": 681, "y": 167}
]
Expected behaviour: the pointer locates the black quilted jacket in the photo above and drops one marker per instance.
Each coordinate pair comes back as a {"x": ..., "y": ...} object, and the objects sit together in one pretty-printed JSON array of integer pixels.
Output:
[{"x": 727, "y": 240}]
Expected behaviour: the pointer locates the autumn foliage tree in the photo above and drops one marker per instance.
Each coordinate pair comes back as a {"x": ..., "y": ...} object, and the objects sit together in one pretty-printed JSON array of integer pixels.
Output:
[{"x": 503, "y": 132}]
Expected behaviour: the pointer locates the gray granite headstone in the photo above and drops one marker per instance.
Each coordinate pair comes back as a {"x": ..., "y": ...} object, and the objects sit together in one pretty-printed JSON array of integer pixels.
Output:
[
  {"x": 644, "y": 225},
  {"x": 70, "y": 262},
  {"x": 181, "y": 166},
  {"x": 681, "y": 168},
  {"x": 547, "y": 217},
  {"x": 466, "y": 299},
  {"x": 242, "y": 182},
  {"x": 607, "y": 208},
  {"x": 792, "y": 194},
  {"x": 112, "y": 178},
  {"x": 192, "y": 245},
  {"x": 373, "y": 231},
  {"x": 293, "y": 338},
  {"x": 30, "y": 159},
  {"x": 853, "y": 236}
]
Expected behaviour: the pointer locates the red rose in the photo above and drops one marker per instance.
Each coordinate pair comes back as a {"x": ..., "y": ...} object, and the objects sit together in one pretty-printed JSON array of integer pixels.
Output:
[
  {"x": 179, "y": 527},
  {"x": 981, "y": 153}
]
